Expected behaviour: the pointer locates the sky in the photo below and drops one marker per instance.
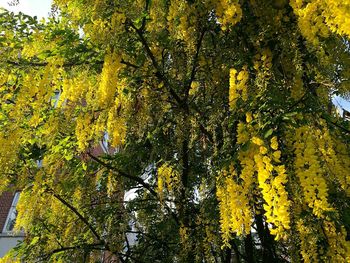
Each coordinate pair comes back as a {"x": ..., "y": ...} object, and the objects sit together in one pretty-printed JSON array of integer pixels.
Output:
[
  {"x": 341, "y": 104},
  {"x": 39, "y": 8}
]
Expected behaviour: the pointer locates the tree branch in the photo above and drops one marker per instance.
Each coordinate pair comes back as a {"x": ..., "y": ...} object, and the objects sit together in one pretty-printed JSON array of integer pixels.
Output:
[
  {"x": 129, "y": 64},
  {"x": 134, "y": 178},
  {"x": 67, "y": 64},
  {"x": 159, "y": 74},
  {"x": 77, "y": 213},
  {"x": 195, "y": 62},
  {"x": 335, "y": 124},
  {"x": 62, "y": 249},
  {"x": 131, "y": 177}
]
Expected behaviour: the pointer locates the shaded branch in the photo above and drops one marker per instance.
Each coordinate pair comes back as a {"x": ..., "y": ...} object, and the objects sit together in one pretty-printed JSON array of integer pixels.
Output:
[
  {"x": 195, "y": 62},
  {"x": 128, "y": 252},
  {"x": 131, "y": 177},
  {"x": 147, "y": 3},
  {"x": 77, "y": 213},
  {"x": 159, "y": 74},
  {"x": 134, "y": 178},
  {"x": 129, "y": 64},
  {"x": 66, "y": 64},
  {"x": 336, "y": 124},
  {"x": 63, "y": 249}
]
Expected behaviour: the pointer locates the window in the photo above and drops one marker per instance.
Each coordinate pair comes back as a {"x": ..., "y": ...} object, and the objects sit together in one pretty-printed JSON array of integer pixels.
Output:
[
  {"x": 55, "y": 98},
  {"x": 104, "y": 143},
  {"x": 11, "y": 217}
]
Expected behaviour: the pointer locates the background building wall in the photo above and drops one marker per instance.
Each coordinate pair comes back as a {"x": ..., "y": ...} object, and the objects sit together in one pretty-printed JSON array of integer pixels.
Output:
[
  {"x": 5, "y": 204},
  {"x": 7, "y": 240}
]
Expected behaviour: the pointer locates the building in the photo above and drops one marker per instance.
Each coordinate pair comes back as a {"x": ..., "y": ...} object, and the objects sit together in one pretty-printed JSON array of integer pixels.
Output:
[
  {"x": 8, "y": 239},
  {"x": 346, "y": 115}
]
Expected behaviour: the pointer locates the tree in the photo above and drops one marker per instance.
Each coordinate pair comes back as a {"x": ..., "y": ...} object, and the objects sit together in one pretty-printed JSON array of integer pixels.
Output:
[{"x": 219, "y": 119}]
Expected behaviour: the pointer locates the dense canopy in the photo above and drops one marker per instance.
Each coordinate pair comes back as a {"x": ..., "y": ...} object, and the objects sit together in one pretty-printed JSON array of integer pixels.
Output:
[{"x": 220, "y": 140}]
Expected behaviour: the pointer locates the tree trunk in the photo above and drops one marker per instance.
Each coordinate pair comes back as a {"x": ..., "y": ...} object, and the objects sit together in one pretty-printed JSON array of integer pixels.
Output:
[
  {"x": 266, "y": 240},
  {"x": 249, "y": 250}
]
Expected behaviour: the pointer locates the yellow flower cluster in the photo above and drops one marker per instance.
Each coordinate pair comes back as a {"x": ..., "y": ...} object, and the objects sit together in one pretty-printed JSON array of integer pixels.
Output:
[
  {"x": 263, "y": 60},
  {"x": 168, "y": 177},
  {"x": 310, "y": 19},
  {"x": 238, "y": 86},
  {"x": 184, "y": 234},
  {"x": 103, "y": 106},
  {"x": 310, "y": 172},
  {"x": 100, "y": 29},
  {"x": 83, "y": 131},
  {"x": 343, "y": 158},
  {"x": 116, "y": 126},
  {"x": 339, "y": 248},
  {"x": 277, "y": 205},
  {"x": 109, "y": 79},
  {"x": 336, "y": 166},
  {"x": 242, "y": 133},
  {"x": 229, "y": 12},
  {"x": 194, "y": 88},
  {"x": 114, "y": 186},
  {"x": 246, "y": 159},
  {"x": 257, "y": 158},
  {"x": 26, "y": 213},
  {"x": 97, "y": 30},
  {"x": 308, "y": 241},
  {"x": 181, "y": 21},
  {"x": 9, "y": 146},
  {"x": 297, "y": 90},
  {"x": 310, "y": 235},
  {"x": 318, "y": 17},
  {"x": 157, "y": 16},
  {"x": 244, "y": 130},
  {"x": 337, "y": 16},
  {"x": 35, "y": 202},
  {"x": 9, "y": 258},
  {"x": 209, "y": 234},
  {"x": 235, "y": 211},
  {"x": 76, "y": 88},
  {"x": 37, "y": 45},
  {"x": 30, "y": 97},
  {"x": 262, "y": 65}
]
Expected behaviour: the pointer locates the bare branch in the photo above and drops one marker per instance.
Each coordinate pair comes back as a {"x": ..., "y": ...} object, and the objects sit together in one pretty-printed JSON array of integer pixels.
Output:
[
  {"x": 96, "y": 246},
  {"x": 195, "y": 62},
  {"x": 131, "y": 177},
  {"x": 77, "y": 213}
]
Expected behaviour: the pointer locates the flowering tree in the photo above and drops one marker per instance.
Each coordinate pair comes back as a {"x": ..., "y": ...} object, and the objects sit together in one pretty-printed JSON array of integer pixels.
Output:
[{"x": 215, "y": 117}]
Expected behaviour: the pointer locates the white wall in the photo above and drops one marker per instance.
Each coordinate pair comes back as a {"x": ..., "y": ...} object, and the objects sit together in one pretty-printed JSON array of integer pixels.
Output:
[{"x": 8, "y": 242}]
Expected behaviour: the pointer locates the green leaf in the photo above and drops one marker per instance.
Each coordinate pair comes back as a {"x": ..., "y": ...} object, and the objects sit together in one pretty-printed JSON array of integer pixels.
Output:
[{"x": 268, "y": 133}]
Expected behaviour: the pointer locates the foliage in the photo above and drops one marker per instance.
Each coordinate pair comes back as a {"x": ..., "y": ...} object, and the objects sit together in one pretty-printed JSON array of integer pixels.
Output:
[{"x": 218, "y": 120}]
